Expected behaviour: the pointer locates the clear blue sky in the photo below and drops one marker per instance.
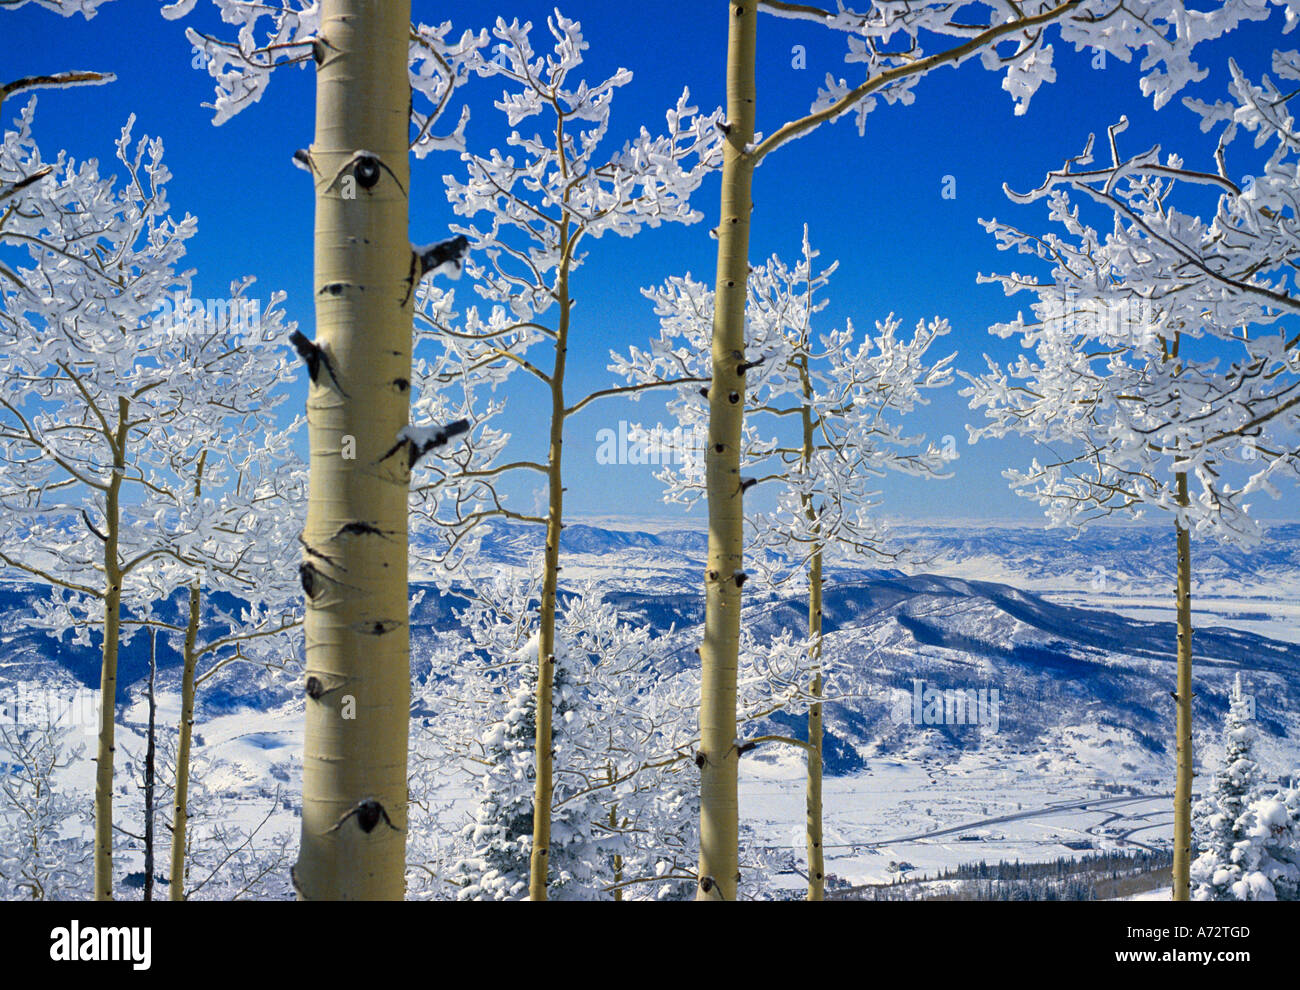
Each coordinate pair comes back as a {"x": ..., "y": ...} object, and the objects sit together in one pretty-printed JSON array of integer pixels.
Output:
[{"x": 873, "y": 203}]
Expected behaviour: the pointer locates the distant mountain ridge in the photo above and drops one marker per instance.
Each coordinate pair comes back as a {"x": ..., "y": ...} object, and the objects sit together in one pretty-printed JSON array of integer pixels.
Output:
[
  {"x": 1076, "y": 684},
  {"x": 1060, "y": 670},
  {"x": 1141, "y": 553}
]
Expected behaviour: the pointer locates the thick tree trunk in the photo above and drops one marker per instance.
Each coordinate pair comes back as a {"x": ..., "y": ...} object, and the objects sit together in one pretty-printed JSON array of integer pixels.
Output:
[
  {"x": 355, "y": 543},
  {"x": 1183, "y": 784},
  {"x": 719, "y": 653},
  {"x": 107, "y": 748}
]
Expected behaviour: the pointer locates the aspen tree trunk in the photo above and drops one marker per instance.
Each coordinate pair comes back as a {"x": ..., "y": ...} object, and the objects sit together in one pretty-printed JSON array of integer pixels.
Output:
[
  {"x": 185, "y": 731},
  {"x": 149, "y": 768},
  {"x": 107, "y": 748},
  {"x": 180, "y": 807},
  {"x": 355, "y": 543},
  {"x": 719, "y": 653},
  {"x": 816, "y": 855},
  {"x": 618, "y": 858},
  {"x": 1183, "y": 784},
  {"x": 543, "y": 785}
]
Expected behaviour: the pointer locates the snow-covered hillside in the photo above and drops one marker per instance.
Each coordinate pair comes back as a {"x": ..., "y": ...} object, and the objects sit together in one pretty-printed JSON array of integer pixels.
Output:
[{"x": 1076, "y": 755}]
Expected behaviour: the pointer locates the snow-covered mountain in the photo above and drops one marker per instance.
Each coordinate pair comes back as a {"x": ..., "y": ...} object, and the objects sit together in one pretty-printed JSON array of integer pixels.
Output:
[
  {"x": 1078, "y": 685},
  {"x": 1126, "y": 569},
  {"x": 1137, "y": 554}
]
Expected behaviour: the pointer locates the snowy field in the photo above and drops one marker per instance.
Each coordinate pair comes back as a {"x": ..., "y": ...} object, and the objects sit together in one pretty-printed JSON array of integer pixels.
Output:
[
  {"x": 1270, "y": 612},
  {"x": 895, "y": 814},
  {"x": 934, "y": 817}
]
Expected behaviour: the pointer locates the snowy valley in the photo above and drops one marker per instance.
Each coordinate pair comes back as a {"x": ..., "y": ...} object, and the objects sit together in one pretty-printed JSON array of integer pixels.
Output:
[{"x": 1078, "y": 759}]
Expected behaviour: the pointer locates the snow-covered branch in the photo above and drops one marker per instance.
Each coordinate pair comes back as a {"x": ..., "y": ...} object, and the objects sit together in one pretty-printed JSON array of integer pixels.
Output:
[{"x": 1168, "y": 345}]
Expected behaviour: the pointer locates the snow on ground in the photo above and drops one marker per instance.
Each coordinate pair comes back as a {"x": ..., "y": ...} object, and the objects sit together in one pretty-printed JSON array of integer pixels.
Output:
[
  {"x": 1159, "y": 894},
  {"x": 901, "y": 815},
  {"x": 1274, "y": 613},
  {"x": 934, "y": 817},
  {"x": 917, "y": 809}
]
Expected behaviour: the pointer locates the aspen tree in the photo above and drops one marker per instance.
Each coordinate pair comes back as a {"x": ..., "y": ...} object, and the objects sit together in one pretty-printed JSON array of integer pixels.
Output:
[
  {"x": 16, "y": 183},
  {"x": 185, "y": 737},
  {"x": 63, "y": 473},
  {"x": 257, "y": 519},
  {"x": 354, "y": 568},
  {"x": 149, "y": 547},
  {"x": 1183, "y": 754},
  {"x": 150, "y": 776},
  {"x": 1153, "y": 362},
  {"x": 543, "y": 210},
  {"x": 371, "y": 61},
  {"x": 847, "y": 393},
  {"x": 149, "y": 386},
  {"x": 117, "y": 438},
  {"x": 1013, "y": 39},
  {"x": 719, "y": 869}
]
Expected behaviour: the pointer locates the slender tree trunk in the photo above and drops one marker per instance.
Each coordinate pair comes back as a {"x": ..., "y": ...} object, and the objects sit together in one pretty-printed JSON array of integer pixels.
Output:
[
  {"x": 1183, "y": 784},
  {"x": 816, "y": 855},
  {"x": 180, "y": 807},
  {"x": 107, "y": 748},
  {"x": 149, "y": 768},
  {"x": 719, "y": 869},
  {"x": 36, "y": 883},
  {"x": 185, "y": 731},
  {"x": 107, "y": 745},
  {"x": 543, "y": 784},
  {"x": 618, "y": 858},
  {"x": 355, "y": 544}
]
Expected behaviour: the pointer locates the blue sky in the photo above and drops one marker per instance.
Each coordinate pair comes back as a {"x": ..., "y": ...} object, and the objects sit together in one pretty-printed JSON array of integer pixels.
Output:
[{"x": 873, "y": 203}]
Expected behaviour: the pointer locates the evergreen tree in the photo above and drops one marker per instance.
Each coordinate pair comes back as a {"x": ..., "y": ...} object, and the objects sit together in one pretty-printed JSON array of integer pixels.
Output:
[
  {"x": 1275, "y": 842},
  {"x": 502, "y": 830},
  {"x": 1229, "y": 866},
  {"x": 500, "y": 837}
]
